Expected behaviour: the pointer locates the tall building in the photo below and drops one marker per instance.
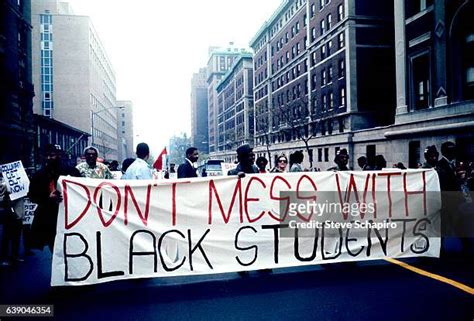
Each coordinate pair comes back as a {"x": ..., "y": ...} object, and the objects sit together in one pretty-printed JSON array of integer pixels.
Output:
[
  {"x": 376, "y": 77},
  {"x": 74, "y": 80},
  {"x": 199, "y": 111},
  {"x": 125, "y": 130},
  {"x": 235, "y": 125},
  {"x": 16, "y": 86},
  {"x": 323, "y": 70},
  {"x": 220, "y": 61}
]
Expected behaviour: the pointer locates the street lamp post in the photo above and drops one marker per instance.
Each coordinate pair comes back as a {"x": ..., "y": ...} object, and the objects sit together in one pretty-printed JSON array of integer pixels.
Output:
[{"x": 93, "y": 113}]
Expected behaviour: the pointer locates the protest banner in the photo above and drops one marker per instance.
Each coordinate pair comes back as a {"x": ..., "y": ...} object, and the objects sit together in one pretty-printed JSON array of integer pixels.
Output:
[
  {"x": 17, "y": 180},
  {"x": 30, "y": 209},
  {"x": 112, "y": 230}
]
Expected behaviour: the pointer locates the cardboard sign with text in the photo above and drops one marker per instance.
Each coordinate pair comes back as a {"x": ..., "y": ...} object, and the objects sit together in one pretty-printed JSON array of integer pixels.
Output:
[{"x": 17, "y": 180}]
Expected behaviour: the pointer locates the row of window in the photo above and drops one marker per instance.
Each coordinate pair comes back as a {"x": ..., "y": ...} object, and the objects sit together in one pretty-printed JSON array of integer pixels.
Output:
[{"x": 46, "y": 62}]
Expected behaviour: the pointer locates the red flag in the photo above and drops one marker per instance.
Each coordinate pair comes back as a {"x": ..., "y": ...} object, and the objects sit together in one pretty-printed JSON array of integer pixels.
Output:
[{"x": 158, "y": 164}]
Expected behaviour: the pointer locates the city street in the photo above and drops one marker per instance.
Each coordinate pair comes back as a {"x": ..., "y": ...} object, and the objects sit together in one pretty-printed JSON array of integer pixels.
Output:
[{"x": 376, "y": 290}]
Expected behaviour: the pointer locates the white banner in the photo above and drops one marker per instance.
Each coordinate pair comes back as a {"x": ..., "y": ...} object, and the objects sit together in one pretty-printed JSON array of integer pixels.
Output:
[
  {"x": 111, "y": 230},
  {"x": 17, "y": 180}
]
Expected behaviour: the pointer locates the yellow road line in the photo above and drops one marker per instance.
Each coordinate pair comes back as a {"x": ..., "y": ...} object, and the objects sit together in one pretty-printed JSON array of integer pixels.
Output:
[{"x": 440, "y": 278}]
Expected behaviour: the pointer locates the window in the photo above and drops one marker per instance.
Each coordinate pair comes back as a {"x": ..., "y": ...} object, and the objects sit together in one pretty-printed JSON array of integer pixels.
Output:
[
  {"x": 313, "y": 58},
  {"x": 323, "y": 52},
  {"x": 326, "y": 154},
  {"x": 322, "y": 25},
  {"x": 324, "y": 102},
  {"x": 297, "y": 48},
  {"x": 331, "y": 100},
  {"x": 341, "y": 68},
  {"x": 313, "y": 9},
  {"x": 321, "y": 4},
  {"x": 342, "y": 97},
  {"x": 313, "y": 34},
  {"x": 341, "y": 40},
  {"x": 421, "y": 81},
  {"x": 340, "y": 12},
  {"x": 329, "y": 47},
  {"x": 304, "y": 20},
  {"x": 323, "y": 77},
  {"x": 329, "y": 18},
  {"x": 330, "y": 75},
  {"x": 313, "y": 82},
  {"x": 320, "y": 155}
]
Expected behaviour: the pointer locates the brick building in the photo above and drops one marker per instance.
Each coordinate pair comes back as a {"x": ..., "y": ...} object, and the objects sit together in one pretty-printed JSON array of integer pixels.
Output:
[
  {"x": 375, "y": 77},
  {"x": 318, "y": 71}
]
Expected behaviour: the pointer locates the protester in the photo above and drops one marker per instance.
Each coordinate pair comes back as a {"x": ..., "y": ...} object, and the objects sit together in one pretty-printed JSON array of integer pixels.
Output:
[
  {"x": 189, "y": 167},
  {"x": 295, "y": 161},
  {"x": 171, "y": 173},
  {"x": 281, "y": 164},
  {"x": 126, "y": 164},
  {"x": 262, "y": 163},
  {"x": 456, "y": 209},
  {"x": 44, "y": 193},
  {"x": 140, "y": 169},
  {"x": 13, "y": 212},
  {"x": 341, "y": 160},
  {"x": 114, "y": 166},
  {"x": 446, "y": 168},
  {"x": 380, "y": 163},
  {"x": 431, "y": 157},
  {"x": 246, "y": 160},
  {"x": 362, "y": 162},
  {"x": 91, "y": 168}
]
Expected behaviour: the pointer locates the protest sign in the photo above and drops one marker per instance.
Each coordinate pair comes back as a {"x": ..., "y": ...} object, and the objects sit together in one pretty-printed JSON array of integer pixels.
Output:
[
  {"x": 112, "y": 230},
  {"x": 30, "y": 209},
  {"x": 17, "y": 180}
]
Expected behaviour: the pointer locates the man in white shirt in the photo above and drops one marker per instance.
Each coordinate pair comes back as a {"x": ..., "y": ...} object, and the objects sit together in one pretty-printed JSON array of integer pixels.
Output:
[{"x": 140, "y": 168}]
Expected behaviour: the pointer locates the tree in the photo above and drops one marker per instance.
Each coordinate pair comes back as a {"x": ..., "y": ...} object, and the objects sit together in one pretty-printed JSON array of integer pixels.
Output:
[{"x": 294, "y": 118}]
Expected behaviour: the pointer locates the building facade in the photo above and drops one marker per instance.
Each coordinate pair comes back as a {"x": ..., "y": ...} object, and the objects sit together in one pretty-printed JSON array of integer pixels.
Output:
[
  {"x": 375, "y": 77},
  {"x": 16, "y": 86},
  {"x": 220, "y": 61},
  {"x": 74, "y": 80},
  {"x": 125, "y": 130},
  {"x": 50, "y": 131},
  {"x": 235, "y": 122},
  {"x": 318, "y": 71},
  {"x": 199, "y": 111}
]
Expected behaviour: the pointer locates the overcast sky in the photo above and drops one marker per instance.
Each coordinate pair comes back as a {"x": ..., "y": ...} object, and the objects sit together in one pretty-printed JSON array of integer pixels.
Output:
[{"x": 156, "y": 45}]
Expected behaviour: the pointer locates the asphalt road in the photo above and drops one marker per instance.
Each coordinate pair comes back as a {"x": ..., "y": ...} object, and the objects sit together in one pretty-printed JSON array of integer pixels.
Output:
[{"x": 376, "y": 290}]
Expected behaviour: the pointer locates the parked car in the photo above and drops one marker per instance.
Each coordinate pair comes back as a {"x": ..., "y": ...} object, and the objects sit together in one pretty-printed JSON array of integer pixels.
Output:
[{"x": 212, "y": 167}]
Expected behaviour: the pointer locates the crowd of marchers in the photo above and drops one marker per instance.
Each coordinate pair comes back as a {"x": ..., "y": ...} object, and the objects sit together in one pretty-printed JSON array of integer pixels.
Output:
[{"x": 456, "y": 182}]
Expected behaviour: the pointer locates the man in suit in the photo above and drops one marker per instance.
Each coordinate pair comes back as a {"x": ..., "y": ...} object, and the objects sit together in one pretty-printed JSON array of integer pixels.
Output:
[
  {"x": 188, "y": 168},
  {"x": 447, "y": 168}
]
